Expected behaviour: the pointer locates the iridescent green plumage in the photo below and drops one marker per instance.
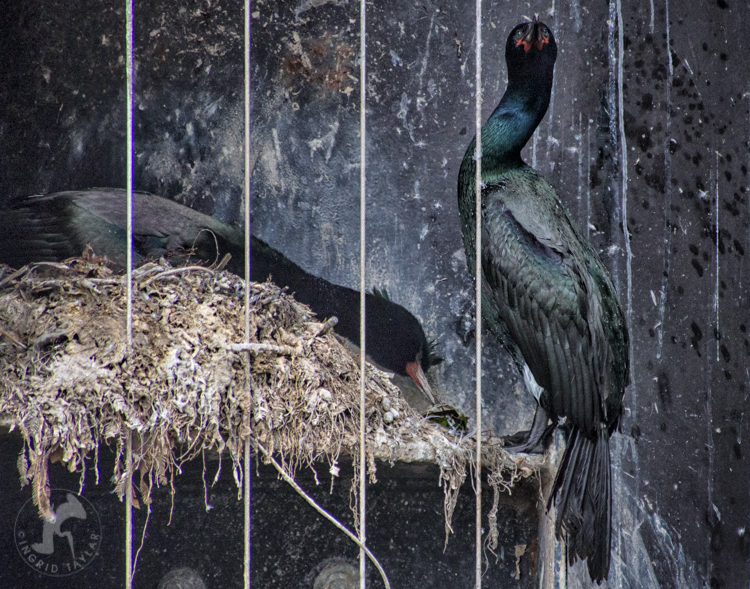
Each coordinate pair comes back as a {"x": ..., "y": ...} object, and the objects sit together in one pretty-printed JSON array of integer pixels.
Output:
[{"x": 547, "y": 296}]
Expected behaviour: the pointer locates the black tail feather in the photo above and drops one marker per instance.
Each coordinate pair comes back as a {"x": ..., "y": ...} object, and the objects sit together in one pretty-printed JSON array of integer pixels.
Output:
[{"x": 583, "y": 490}]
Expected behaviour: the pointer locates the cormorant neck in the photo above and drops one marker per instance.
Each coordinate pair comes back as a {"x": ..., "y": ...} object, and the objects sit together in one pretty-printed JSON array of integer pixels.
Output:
[{"x": 512, "y": 124}]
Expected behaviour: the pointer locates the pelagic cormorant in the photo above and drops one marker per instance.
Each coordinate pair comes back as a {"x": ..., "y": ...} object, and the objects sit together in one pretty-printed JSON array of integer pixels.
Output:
[
  {"x": 548, "y": 298},
  {"x": 58, "y": 226}
]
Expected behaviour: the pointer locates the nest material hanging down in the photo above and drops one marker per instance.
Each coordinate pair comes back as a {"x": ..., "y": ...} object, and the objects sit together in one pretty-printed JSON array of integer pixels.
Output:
[{"x": 68, "y": 383}]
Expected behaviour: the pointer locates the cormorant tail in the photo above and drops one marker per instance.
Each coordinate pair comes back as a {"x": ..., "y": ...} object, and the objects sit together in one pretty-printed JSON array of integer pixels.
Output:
[{"x": 583, "y": 488}]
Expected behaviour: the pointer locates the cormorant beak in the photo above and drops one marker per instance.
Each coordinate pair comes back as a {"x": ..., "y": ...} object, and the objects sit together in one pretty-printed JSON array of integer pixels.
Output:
[
  {"x": 414, "y": 369},
  {"x": 534, "y": 36}
]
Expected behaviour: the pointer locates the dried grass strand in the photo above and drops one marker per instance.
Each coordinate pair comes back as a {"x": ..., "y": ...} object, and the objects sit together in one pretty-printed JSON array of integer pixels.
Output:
[{"x": 290, "y": 481}]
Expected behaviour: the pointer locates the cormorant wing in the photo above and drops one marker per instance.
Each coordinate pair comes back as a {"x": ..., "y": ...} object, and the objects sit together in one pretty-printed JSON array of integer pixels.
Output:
[
  {"x": 59, "y": 225},
  {"x": 539, "y": 274}
]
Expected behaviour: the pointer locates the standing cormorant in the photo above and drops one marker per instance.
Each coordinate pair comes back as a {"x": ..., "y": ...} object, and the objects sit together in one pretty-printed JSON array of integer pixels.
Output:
[{"x": 548, "y": 298}]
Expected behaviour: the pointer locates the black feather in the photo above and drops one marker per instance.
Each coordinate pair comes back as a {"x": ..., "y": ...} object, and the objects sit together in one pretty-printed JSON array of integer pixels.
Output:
[{"x": 383, "y": 294}]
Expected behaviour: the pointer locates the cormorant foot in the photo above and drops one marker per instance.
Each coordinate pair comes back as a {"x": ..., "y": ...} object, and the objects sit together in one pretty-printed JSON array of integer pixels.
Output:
[
  {"x": 533, "y": 441},
  {"x": 521, "y": 442}
]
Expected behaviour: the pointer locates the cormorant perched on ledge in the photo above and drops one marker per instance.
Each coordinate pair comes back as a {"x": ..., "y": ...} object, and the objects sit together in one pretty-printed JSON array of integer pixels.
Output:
[
  {"x": 547, "y": 297},
  {"x": 58, "y": 226}
]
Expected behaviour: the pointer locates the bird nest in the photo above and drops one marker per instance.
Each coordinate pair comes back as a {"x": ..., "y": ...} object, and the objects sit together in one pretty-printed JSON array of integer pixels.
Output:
[{"x": 69, "y": 382}]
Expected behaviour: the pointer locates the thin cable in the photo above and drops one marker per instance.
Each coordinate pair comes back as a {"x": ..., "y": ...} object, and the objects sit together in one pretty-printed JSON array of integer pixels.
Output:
[
  {"x": 129, "y": 255},
  {"x": 362, "y": 343},
  {"x": 289, "y": 480},
  {"x": 129, "y": 164},
  {"x": 478, "y": 289},
  {"x": 246, "y": 497},
  {"x": 248, "y": 468},
  {"x": 248, "y": 104},
  {"x": 129, "y": 511}
]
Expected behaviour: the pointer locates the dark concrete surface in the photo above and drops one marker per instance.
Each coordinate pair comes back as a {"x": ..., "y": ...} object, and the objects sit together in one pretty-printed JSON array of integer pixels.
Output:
[
  {"x": 291, "y": 543},
  {"x": 681, "y": 474}
]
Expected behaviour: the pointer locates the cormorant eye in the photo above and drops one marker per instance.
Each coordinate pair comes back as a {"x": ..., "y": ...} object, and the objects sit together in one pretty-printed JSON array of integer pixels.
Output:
[
  {"x": 545, "y": 32},
  {"x": 519, "y": 34}
]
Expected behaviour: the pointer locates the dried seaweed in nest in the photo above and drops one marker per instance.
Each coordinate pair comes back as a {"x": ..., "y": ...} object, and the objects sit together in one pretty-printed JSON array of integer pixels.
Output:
[{"x": 68, "y": 382}]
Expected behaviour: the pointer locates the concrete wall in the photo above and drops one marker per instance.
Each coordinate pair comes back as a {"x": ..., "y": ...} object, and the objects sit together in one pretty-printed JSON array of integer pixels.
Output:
[{"x": 669, "y": 154}]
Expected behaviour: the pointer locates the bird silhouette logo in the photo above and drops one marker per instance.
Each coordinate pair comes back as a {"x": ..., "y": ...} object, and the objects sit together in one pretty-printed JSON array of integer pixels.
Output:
[
  {"x": 64, "y": 544},
  {"x": 71, "y": 508}
]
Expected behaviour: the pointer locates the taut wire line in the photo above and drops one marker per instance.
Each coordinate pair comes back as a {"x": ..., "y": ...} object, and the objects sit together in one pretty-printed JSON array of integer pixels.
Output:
[
  {"x": 247, "y": 466},
  {"x": 478, "y": 290},
  {"x": 362, "y": 285},
  {"x": 129, "y": 262}
]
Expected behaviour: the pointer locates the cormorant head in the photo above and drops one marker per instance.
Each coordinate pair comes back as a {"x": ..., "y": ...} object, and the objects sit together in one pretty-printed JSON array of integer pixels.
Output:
[
  {"x": 395, "y": 339},
  {"x": 530, "y": 54}
]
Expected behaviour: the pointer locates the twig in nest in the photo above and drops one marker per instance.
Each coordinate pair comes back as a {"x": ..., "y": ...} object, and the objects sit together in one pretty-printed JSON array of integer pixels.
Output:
[
  {"x": 216, "y": 243},
  {"x": 16, "y": 274},
  {"x": 325, "y": 514},
  {"x": 286, "y": 350},
  {"x": 223, "y": 263},
  {"x": 14, "y": 339},
  {"x": 327, "y": 326},
  {"x": 175, "y": 271}
]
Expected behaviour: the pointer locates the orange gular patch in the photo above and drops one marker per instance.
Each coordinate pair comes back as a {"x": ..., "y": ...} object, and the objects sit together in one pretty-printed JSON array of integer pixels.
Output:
[
  {"x": 523, "y": 43},
  {"x": 541, "y": 43}
]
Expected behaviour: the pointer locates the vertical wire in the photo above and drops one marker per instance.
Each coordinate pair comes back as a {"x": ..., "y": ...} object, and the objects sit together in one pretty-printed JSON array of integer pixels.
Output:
[
  {"x": 478, "y": 288},
  {"x": 362, "y": 319},
  {"x": 129, "y": 165},
  {"x": 248, "y": 129},
  {"x": 129, "y": 511},
  {"x": 129, "y": 255}
]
